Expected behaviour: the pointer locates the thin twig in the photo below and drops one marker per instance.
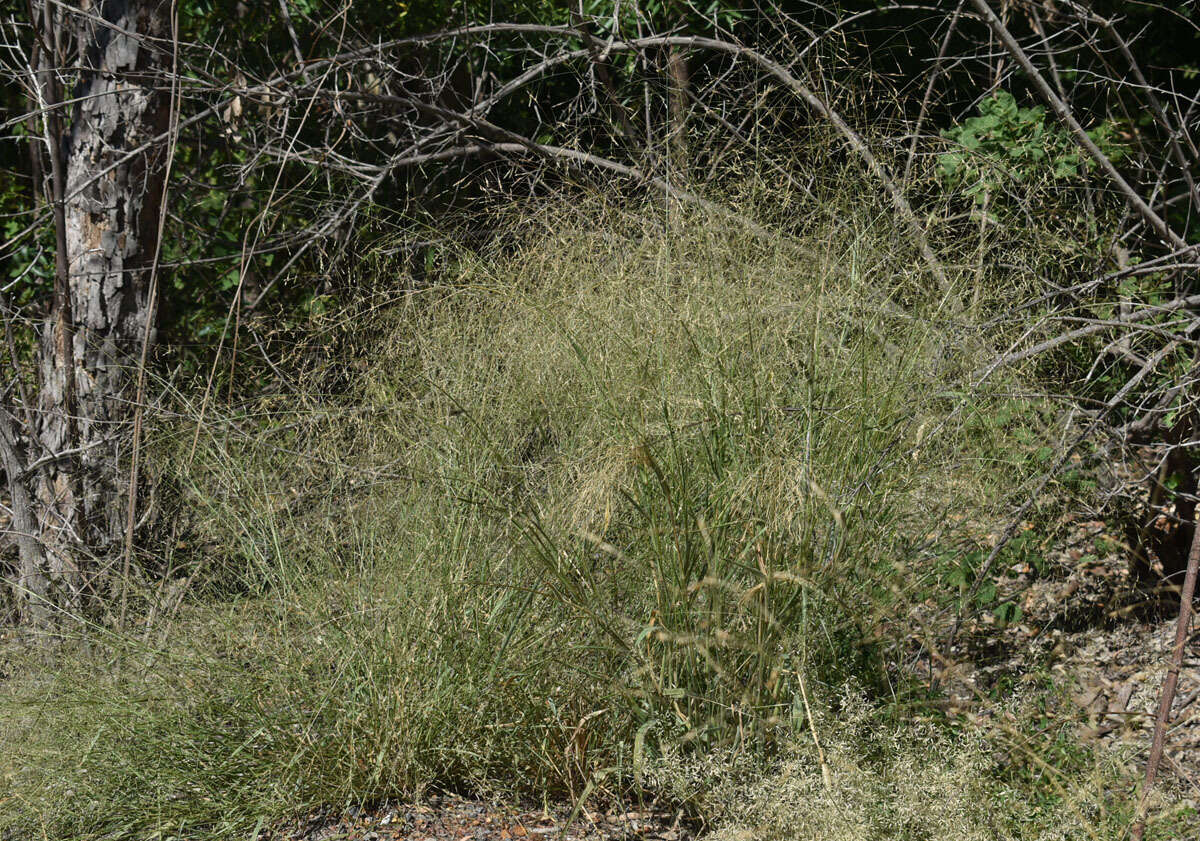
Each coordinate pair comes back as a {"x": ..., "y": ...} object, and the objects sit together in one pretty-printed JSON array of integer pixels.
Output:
[
  {"x": 1085, "y": 142},
  {"x": 933, "y": 77},
  {"x": 1170, "y": 685}
]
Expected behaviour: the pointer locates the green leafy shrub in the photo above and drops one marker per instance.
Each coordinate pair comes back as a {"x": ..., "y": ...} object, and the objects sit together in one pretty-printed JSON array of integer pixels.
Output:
[{"x": 1007, "y": 143}]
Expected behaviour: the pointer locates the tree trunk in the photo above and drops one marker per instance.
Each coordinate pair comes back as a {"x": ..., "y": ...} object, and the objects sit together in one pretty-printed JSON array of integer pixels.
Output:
[
  {"x": 108, "y": 201},
  {"x": 32, "y": 586}
]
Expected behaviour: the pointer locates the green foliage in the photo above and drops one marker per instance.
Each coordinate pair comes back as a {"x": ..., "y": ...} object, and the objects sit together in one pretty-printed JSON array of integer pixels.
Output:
[
  {"x": 1007, "y": 143},
  {"x": 961, "y": 573},
  {"x": 31, "y": 258},
  {"x": 1149, "y": 291},
  {"x": 663, "y": 15}
]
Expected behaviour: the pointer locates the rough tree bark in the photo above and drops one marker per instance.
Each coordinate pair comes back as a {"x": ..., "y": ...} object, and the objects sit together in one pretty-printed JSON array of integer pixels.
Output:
[{"x": 107, "y": 205}]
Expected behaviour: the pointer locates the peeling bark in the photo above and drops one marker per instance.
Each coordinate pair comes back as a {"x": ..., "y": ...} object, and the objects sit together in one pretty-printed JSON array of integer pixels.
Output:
[
  {"x": 31, "y": 588},
  {"x": 91, "y": 339}
]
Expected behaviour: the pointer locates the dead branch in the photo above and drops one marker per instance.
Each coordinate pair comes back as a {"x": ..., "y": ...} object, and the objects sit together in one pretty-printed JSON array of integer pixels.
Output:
[
  {"x": 1170, "y": 685},
  {"x": 1063, "y": 112}
]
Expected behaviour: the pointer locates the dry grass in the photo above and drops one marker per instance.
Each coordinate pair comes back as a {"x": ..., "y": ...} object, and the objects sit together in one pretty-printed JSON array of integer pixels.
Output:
[
  {"x": 610, "y": 494},
  {"x": 890, "y": 780}
]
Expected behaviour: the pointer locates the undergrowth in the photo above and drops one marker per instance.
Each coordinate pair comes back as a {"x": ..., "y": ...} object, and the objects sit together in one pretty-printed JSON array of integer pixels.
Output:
[
  {"x": 622, "y": 496},
  {"x": 864, "y": 775}
]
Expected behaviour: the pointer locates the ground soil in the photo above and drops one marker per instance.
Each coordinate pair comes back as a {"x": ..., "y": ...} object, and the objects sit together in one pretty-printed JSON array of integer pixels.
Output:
[
  {"x": 1101, "y": 640},
  {"x": 455, "y": 818}
]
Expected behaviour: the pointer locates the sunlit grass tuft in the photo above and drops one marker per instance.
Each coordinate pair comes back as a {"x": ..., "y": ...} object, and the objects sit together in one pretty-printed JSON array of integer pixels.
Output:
[{"x": 628, "y": 488}]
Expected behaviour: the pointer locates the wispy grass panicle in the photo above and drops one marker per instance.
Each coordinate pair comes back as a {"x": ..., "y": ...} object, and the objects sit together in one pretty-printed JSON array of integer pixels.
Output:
[{"x": 626, "y": 487}]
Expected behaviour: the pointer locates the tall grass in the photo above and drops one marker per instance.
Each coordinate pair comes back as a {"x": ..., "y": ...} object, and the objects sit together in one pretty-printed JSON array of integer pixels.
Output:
[{"x": 623, "y": 487}]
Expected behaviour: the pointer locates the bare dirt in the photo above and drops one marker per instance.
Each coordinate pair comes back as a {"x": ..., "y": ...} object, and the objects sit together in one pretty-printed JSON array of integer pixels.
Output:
[
  {"x": 1102, "y": 642},
  {"x": 454, "y": 818}
]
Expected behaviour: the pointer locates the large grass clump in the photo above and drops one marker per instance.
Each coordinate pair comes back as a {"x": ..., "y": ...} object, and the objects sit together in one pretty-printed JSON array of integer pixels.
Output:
[{"x": 625, "y": 486}]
